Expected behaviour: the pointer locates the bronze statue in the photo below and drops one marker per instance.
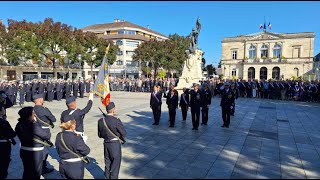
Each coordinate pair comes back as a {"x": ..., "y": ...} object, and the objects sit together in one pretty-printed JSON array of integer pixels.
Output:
[{"x": 194, "y": 37}]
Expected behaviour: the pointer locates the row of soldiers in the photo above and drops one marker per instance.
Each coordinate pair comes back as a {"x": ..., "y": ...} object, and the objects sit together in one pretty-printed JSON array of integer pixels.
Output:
[
  {"x": 51, "y": 89},
  {"x": 280, "y": 90},
  {"x": 33, "y": 131}
]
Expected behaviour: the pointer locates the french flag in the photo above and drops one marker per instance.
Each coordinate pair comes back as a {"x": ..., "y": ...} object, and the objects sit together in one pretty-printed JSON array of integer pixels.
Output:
[
  {"x": 270, "y": 26},
  {"x": 261, "y": 26}
]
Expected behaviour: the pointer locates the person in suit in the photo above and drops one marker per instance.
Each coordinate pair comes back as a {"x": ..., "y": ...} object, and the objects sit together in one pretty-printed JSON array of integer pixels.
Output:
[
  {"x": 71, "y": 149},
  {"x": 110, "y": 128},
  {"x": 33, "y": 139},
  {"x": 195, "y": 104},
  {"x": 226, "y": 104},
  {"x": 205, "y": 104},
  {"x": 184, "y": 103},
  {"x": 155, "y": 104},
  {"x": 172, "y": 102}
]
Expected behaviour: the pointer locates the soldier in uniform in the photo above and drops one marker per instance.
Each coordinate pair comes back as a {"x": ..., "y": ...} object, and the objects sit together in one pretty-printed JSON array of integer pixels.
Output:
[
  {"x": 71, "y": 149},
  {"x": 172, "y": 102},
  {"x": 112, "y": 131},
  {"x": 44, "y": 116},
  {"x": 6, "y": 138},
  {"x": 67, "y": 89},
  {"x": 195, "y": 104},
  {"x": 32, "y": 137},
  {"x": 10, "y": 92},
  {"x": 41, "y": 89},
  {"x": 87, "y": 85},
  {"x": 226, "y": 104},
  {"x": 78, "y": 114},
  {"x": 59, "y": 91},
  {"x": 235, "y": 92},
  {"x": 75, "y": 86},
  {"x": 21, "y": 89},
  {"x": 28, "y": 91},
  {"x": 184, "y": 103},
  {"x": 155, "y": 104},
  {"x": 81, "y": 89},
  {"x": 50, "y": 93},
  {"x": 206, "y": 102}
]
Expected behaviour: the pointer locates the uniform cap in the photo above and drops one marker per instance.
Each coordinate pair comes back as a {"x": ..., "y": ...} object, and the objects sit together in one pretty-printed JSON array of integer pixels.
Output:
[
  {"x": 37, "y": 96},
  {"x": 110, "y": 106},
  {"x": 67, "y": 118},
  {"x": 70, "y": 99}
]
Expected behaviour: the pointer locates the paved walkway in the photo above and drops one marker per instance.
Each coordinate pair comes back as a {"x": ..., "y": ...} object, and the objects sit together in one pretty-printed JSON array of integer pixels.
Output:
[{"x": 266, "y": 139}]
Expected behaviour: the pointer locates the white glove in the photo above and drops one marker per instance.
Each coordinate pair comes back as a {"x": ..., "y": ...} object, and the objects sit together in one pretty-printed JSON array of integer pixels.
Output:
[{"x": 91, "y": 96}]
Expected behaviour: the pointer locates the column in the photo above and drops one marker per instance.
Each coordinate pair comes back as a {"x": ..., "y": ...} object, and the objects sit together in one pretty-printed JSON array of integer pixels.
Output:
[{"x": 39, "y": 74}]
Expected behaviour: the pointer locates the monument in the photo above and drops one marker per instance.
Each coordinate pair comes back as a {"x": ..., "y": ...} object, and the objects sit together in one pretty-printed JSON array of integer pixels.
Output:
[{"x": 192, "y": 69}]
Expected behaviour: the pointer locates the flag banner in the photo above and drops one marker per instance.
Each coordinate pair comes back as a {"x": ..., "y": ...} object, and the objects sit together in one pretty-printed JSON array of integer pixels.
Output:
[
  {"x": 261, "y": 26},
  {"x": 264, "y": 26},
  {"x": 101, "y": 85},
  {"x": 270, "y": 26}
]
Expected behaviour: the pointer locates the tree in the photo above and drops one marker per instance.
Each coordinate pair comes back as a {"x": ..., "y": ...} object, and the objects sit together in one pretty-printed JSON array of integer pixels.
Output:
[{"x": 211, "y": 69}]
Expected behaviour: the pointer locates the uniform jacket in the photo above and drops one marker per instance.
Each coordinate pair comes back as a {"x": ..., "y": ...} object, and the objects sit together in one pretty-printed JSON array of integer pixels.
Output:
[
  {"x": 206, "y": 97},
  {"x": 44, "y": 114},
  {"x": 226, "y": 100},
  {"x": 172, "y": 101},
  {"x": 114, "y": 124},
  {"x": 195, "y": 98}
]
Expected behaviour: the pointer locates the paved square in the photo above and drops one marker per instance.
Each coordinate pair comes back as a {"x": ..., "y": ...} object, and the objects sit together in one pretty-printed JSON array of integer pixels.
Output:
[{"x": 266, "y": 139}]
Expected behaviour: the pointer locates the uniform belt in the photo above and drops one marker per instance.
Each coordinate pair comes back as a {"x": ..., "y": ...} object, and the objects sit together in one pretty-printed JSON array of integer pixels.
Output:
[
  {"x": 72, "y": 160},
  {"x": 45, "y": 127},
  {"x": 32, "y": 148},
  {"x": 80, "y": 133},
  {"x": 3, "y": 140},
  {"x": 114, "y": 139}
]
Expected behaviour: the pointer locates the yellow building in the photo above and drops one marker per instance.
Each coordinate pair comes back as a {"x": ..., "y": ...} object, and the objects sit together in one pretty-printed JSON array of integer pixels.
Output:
[{"x": 267, "y": 55}]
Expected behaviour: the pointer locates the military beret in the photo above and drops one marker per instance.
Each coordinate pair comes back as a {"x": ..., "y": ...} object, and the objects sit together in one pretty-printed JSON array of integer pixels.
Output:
[
  {"x": 67, "y": 118},
  {"x": 110, "y": 106},
  {"x": 70, "y": 99},
  {"x": 37, "y": 96},
  {"x": 25, "y": 112}
]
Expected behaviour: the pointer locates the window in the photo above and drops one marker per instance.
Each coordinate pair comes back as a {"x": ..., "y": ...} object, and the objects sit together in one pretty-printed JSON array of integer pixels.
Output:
[
  {"x": 119, "y": 62},
  {"x": 264, "y": 51},
  {"x": 130, "y": 53},
  {"x": 132, "y": 43},
  {"x": 252, "y": 52},
  {"x": 276, "y": 73},
  {"x": 119, "y": 42},
  {"x": 296, "y": 52},
  {"x": 120, "y": 31},
  {"x": 129, "y": 63},
  {"x": 234, "y": 72},
  {"x": 119, "y": 53},
  {"x": 296, "y": 72},
  {"x": 277, "y": 51},
  {"x": 263, "y": 73},
  {"x": 130, "y": 32},
  {"x": 251, "y": 73},
  {"x": 234, "y": 54}
]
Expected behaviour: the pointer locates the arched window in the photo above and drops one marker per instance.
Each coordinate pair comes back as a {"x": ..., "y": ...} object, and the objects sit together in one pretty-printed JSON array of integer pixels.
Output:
[
  {"x": 263, "y": 73},
  {"x": 296, "y": 72},
  {"x": 277, "y": 51},
  {"x": 119, "y": 43},
  {"x": 276, "y": 73},
  {"x": 251, "y": 73},
  {"x": 234, "y": 72},
  {"x": 252, "y": 52},
  {"x": 264, "y": 51}
]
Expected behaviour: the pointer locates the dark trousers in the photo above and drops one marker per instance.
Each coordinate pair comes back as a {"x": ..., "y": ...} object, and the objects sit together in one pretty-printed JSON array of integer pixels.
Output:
[
  {"x": 68, "y": 94},
  {"x": 59, "y": 96},
  {"x": 45, "y": 157},
  {"x": 71, "y": 170},
  {"x": 226, "y": 116},
  {"x": 28, "y": 96},
  {"x": 11, "y": 98},
  {"x": 21, "y": 100},
  {"x": 195, "y": 115},
  {"x": 5, "y": 151},
  {"x": 112, "y": 159},
  {"x": 205, "y": 115},
  {"x": 172, "y": 115},
  {"x": 156, "y": 110},
  {"x": 184, "y": 110},
  {"x": 233, "y": 109},
  {"x": 75, "y": 93},
  {"x": 14, "y": 99},
  {"x": 32, "y": 164},
  {"x": 81, "y": 94}
]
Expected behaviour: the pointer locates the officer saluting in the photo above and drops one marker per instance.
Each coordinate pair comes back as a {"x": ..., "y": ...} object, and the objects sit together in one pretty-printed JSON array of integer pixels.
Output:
[
  {"x": 44, "y": 116},
  {"x": 195, "y": 104},
  {"x": 206, "y": 102},
  {"x": 32, "y": 137},
  {"x": 155, "y": 104},
  {"x": 77, "y": 113},
  {"x": 227, "y": 96},
  {"x": 112, "y": 131},
  {"x": 71, "y": 149}
]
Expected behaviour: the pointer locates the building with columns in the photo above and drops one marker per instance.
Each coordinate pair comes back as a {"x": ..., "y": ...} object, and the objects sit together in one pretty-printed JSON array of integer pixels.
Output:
[
  {"x": 267, "y": 55},
  {"x": 127, "y": 36}
]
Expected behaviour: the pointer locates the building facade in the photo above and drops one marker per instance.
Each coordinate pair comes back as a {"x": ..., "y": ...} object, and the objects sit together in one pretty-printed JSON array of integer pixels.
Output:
[
  {"x": 267, "y": 55},
  {"x": 127, "y": 36},
  {"x": 316, "y": 66}
]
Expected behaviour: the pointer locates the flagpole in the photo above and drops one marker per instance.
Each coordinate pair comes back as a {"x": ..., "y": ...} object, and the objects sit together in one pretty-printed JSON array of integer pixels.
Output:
[{"x": 264, "y": 25}]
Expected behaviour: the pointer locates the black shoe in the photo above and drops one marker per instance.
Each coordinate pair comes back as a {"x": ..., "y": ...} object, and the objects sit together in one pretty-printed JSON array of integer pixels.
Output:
[
  {"x": 193, "y": 128},
  {"x": 202, "y": 123},
  {"x": 227, "y": 126},
  {"x": 196, "y": 129},
  {"x": 155, "y": 124},
  {"x": 171, "y": 126},
  {"x": 205, "y": 124},
  {"x": 47, "y": 170},
  {"x": 223, "y": 126}
]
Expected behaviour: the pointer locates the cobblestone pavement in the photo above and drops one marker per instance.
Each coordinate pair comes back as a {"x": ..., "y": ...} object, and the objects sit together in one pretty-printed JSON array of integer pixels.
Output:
[{"x": 266, "y": 139}]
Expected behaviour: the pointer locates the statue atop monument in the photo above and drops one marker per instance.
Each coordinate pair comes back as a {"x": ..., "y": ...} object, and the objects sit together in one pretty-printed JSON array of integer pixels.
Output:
[{"x": 194, "y": 37}]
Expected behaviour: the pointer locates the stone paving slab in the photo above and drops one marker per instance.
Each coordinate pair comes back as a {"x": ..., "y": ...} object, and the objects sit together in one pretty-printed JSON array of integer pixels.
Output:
[{"x": 266, "y": 139}]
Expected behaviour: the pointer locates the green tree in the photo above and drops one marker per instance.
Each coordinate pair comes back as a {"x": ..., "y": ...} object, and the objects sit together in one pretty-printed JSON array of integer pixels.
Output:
[{"x": 211, "y": 69}]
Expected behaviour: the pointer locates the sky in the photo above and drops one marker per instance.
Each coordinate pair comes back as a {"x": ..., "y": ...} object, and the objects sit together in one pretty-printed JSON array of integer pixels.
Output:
[{"x": 219, "y": 19}]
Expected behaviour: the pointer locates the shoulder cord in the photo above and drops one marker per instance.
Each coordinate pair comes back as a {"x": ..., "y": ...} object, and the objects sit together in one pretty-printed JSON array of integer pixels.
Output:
[
  {"x": 64, "y": 144},
  {"x": 41, "y": 142},
  {"x": 38, "y": 119},
  {"x": 105, "y": 124}
]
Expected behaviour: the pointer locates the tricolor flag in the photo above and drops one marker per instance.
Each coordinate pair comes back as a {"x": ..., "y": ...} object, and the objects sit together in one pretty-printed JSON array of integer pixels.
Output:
[
  {"x": 101, "y": 86},
  {"x": 261, "y": 26},
  {"x": 270, "y": 26}
]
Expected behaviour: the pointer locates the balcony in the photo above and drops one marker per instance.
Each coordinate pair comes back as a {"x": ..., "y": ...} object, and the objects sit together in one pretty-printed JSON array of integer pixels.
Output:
[{"x": 267, "y": 60}]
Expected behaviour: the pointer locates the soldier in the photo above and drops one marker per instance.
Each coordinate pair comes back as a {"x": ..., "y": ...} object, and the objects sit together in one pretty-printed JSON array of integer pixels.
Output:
[
  {"x": 41, "y": 89},
  {"x": 71, "y": 149},
  {"x": 195, "y": 104},
  {"x": 6, "y": 139},
  {"x": 184, "y": 103},
  {"x": 206, "y": 102},
  {"x": 21, "y": 90},
  {"x": 15, "y": 93},
  {"x": 155, "y": 104},
  {"x": 10, "y": 92},
  {"x": 50, "y": 93},
  {"x": 59, "y": 92},
  {"x": 78, "y": 114},
  {"x": 75, "y": 86},
  {"x": 235, "y": 93},
  {"x": 172, "y": 102},
  {"x": 67, "y": 89},
  {"x": 87, "y": 85},
  {"x": 81, "y": 88},
  {"x": 27, "y": 88},
  {"x": 44, "y": 116},
  {"x": 34, "y": 89},
  {"x": 226, "y": 104},
  {"x": 112, "y": 131},
  {"x": 32, "y": 137}
]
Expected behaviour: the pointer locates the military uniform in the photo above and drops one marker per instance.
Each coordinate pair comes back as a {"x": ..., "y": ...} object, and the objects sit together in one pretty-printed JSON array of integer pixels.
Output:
[
  {"x": 206, "y": 102},
  {"x": 195, "y": 104},
  {"x": 50, "y": 93},
  {"x": 75, "y": 89},
  {"x": 71, "y": 149},
  {"x": 21, "y": 94},
  {"x": 10, "y": 93},
  {"x": 155, "y": 104},
  {"x": 172, "y": 102},
  {"x": 234, "y": 97},
  {"x": 226, "y": 105},
  {"x": 87, "y": 85},
  {"x": 78, "y": 114},
  {"x": 184, "y": 104},
  {"x": 112, "y": 146},
  {"x": 32, "y": 151},
  {"x": 67, "y": 90},
  {"x": 59, "y": 91},
  {"x": 6, "y": 135},
  {"x": 81, "y": 89},
  {"x": 28, "y": 92}
]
